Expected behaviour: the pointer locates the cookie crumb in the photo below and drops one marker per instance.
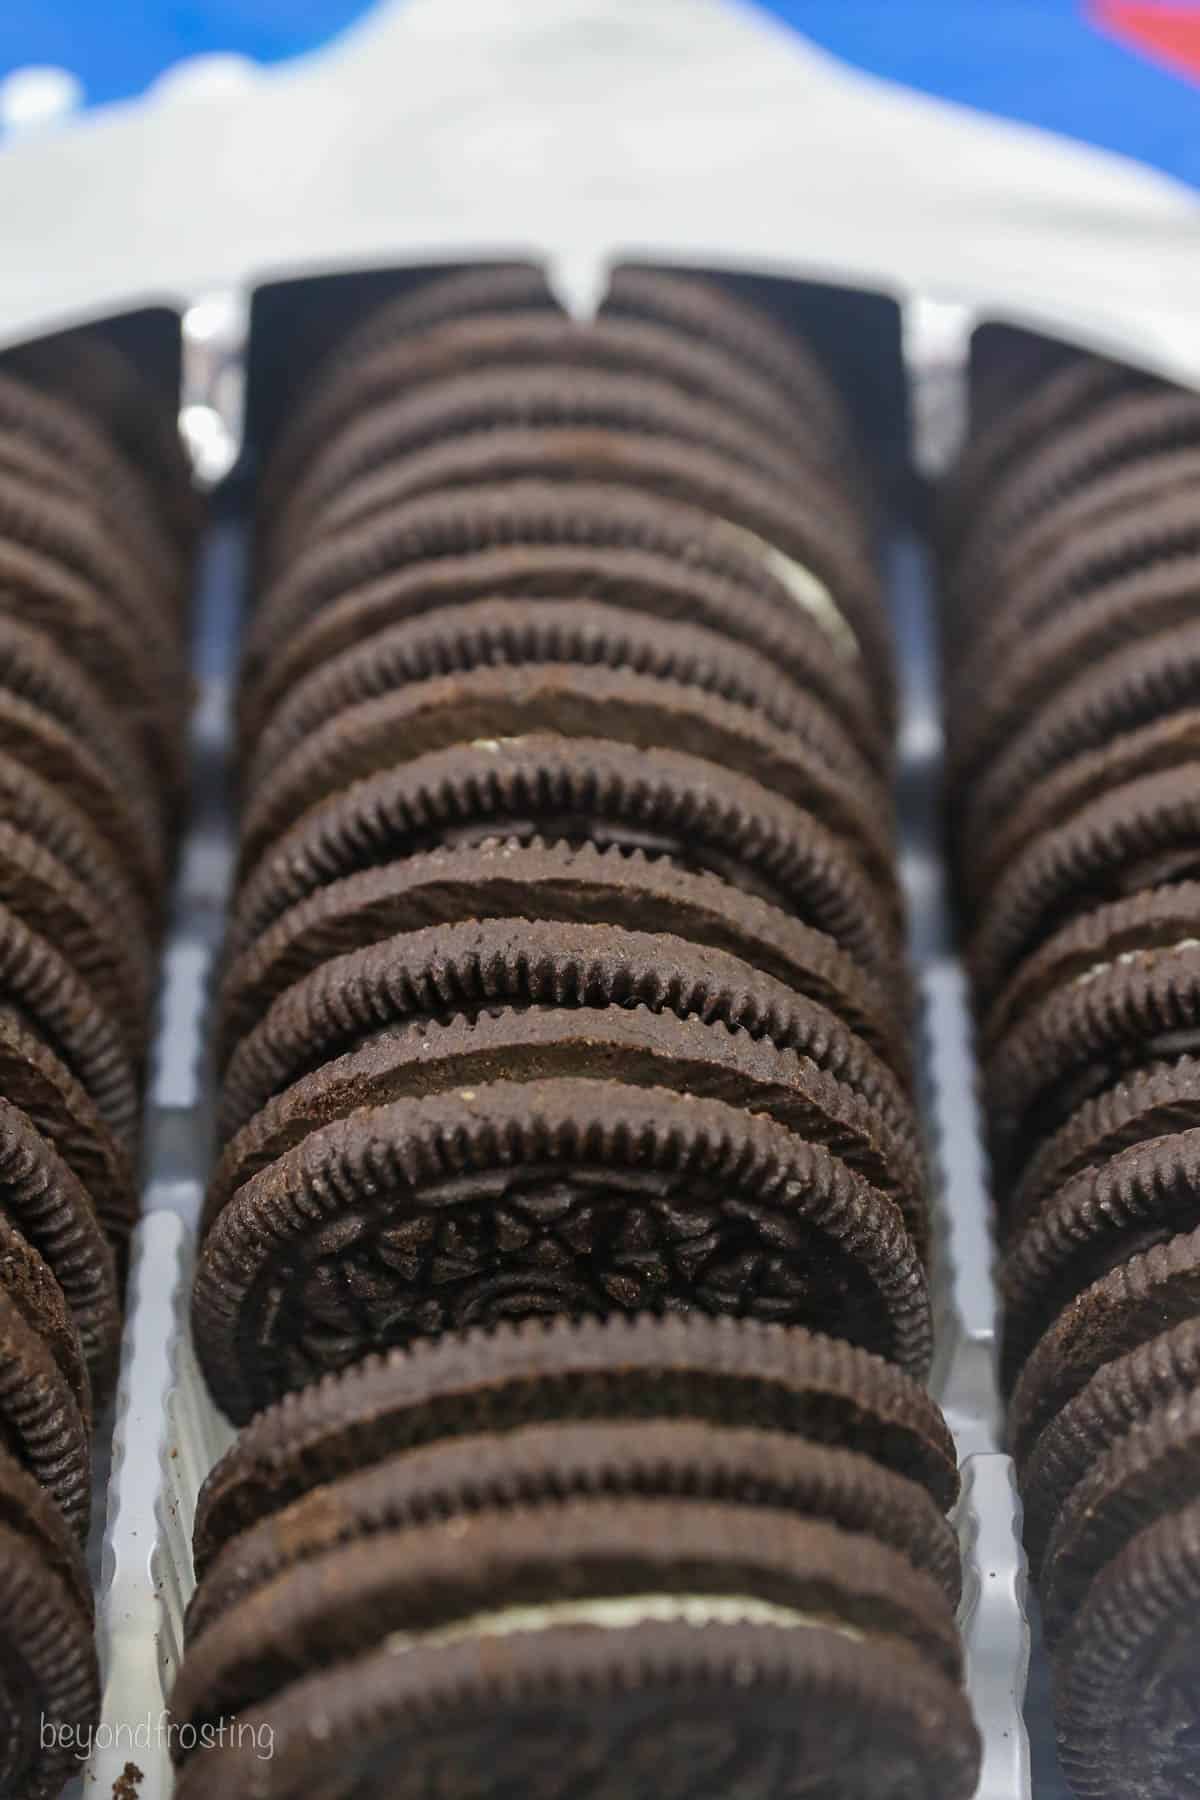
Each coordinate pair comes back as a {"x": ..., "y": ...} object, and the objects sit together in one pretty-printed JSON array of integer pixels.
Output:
[{"x": 126, "y": 1786}]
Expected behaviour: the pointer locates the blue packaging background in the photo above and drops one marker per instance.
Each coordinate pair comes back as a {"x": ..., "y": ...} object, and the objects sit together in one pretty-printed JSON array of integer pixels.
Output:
[{"x": 1120, "y": 74}]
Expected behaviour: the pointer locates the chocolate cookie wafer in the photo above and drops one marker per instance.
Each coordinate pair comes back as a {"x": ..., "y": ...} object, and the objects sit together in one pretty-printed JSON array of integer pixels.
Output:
[
  {"x": 41, "y": 1422},
  {"x": 584, "y": 791},
  {"x": 50, "y": 1672},
  {"x": 42, "y": 987},
  {"x": 634, "y": 1046},
  {"x": 710, "y": 313},
  {"x": 1119, "y": 494},
  {"x": 714, "y": 1615},
  {"x": 1128, "y": 429},
  {"x": 574, "y": 1196},
  {"x": 487, "y": 706},
  {"x": 458, "y": 639},
  {"x": 664, "y": 1459},
  {"x": 811, "y": 538},
  {"x": 1150, "y": 1102},
  {"x": 1141, "y": 1197},
  {"x": 1136, "y": 1301},
  {"x": 555, "y": 883},
  {"x": 41, "y": 1084},
  {"x": 1141, "y": 1476},
  {"x": 723, "y": 1371},
  {"x": 1121, "y": 1397},
  {"x": 465, "y": 971},
  {"x": 493, "y": 292},
  {"x": 30, "y": 1289},
  {"x": 1064, "y": 397},
  {"x": 41, "y": 1196},
  {"x": 1113, "y": 1019},
  {"x": 1125, "y": 1686},
  {"x": 514, "y": 398},
  {"x": 507, "y": 1452},
  {"x": 487, "y": 344},
  {"x": 659, "y": 582},
  {"x": 531, "y": 513}
]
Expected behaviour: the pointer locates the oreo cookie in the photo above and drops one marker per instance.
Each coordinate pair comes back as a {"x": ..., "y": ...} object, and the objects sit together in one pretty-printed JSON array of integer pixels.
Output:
[
  {"x": 468, "y": 971},
  {"x": 50, "y": 1671},
  {"x": 47, "y": 1204},
  {"x": 554, "y": 883},
  {"x": 489, "y": 706},
  {"x": 635, "y": 1046},
  {"x": 1141, "y": 1197},
  {"x": 584, "y": 791},
  {"x": 721, "y": 1371},
  {"x": 1122, "y": 1396},
  {"x": 1125, "y": 1673},
  {"x": 653, "y": 580},
  {"x": 533, "y": 513},
  {"x": 810, "y": 540},
  {"x": 574, "y": 1196},
  {"x": 670, "y": 1459},
  {"x": 521, "y": 397},
  {"x": 458, "y": 640},
  {"x": 703, "y": 1611},
  {"x": 570, "y": 1488}
]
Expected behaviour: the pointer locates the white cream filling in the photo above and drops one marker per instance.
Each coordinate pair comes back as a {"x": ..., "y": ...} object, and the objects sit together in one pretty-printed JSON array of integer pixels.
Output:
[
  {"x": 621, "y": 1613},
  {"x": 1127, "y": 957},
  {"x": 805, "y": 588}
]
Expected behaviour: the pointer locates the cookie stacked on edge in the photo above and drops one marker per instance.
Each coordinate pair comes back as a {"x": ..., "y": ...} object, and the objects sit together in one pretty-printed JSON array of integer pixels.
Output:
[
  {"x": 1072, "y": 578},
  {"x": 566, "y": 979},
  {"x": 93, "y": 700},
  {"x": 619, "y": 1556}
]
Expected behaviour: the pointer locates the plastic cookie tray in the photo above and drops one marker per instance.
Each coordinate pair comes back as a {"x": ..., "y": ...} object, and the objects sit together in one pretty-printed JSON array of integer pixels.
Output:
[{"x": 905, "y": 373}]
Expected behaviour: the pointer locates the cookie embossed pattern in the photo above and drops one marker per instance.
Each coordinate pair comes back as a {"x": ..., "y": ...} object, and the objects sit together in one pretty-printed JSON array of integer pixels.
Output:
[{"x": 151, "y": 1591}]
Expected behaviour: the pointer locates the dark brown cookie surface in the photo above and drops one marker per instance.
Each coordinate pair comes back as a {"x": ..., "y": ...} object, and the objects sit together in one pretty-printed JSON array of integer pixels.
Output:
[
  {"x": 807, "y": 530},
  {"x": 637, "y": 1048},
  {"x": 1126, "y": 1672},
  {"x": 1136, "y": 1301},
  {"x": 1129, "y": 836},
  {"x": 659, "y": 579},
  {"x": 1142, "y": 1197},
  {"x": 107, "y": 952},
  {"x": 1149, "y": 1472},
  {"x": 1120, "y": 1397},
  {"x": 1148, "y": 1103},
  {"x": 445, "y": 973},
  {"x": 811, "y": 765},
  {"x": 484, "y": 633},
  {"x": 555, "y": 883},
  {"x": 586, "y": 791},
  {"x": 433, "y": 1581},
  {"x": 49, "y": 1673},
  {"x": 657, "y": 1713},
  {"x": 43, "y": 988},
  {"x": 738, "y": 1372},
  {"x": 514, "y": 398},
  {"x": 570, "y": 1196},
  {"x": 42, "y": 1086},
  {"x": 480, "y": 1475},
  {"x": 53, "y": 1211},
  {"x": 40, "y": 1420},
  {"x": 30, "y": 1286},
  {"x": 583, "y": 514},
  {"x": 1139, "y": 1009}
]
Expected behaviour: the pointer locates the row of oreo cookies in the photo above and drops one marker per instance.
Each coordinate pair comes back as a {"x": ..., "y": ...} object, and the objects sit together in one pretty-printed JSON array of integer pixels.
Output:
[
  {"x": 645, "y": 1556},
  {"x": 1070, "y": 539},
  {"x": 566, "y": 979},
  {"x": 95, "y": 534}
]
